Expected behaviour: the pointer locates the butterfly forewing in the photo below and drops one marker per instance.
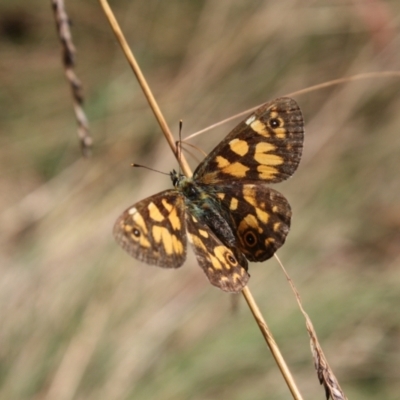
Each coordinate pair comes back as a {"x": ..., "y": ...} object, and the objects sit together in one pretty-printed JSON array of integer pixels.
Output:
[
  {"x": 265, "y": 147},
  {"x": 222, "y": 266},
  {"x": 153, "y": 230}
]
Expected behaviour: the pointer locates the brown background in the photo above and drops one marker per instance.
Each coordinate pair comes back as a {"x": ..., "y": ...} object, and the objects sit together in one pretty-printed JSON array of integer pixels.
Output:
[{"x": 80, "y": 319}]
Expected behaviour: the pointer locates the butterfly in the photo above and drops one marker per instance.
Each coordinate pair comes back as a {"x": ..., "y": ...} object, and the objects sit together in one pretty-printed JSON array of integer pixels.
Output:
[{"x": 225, "y": 209}]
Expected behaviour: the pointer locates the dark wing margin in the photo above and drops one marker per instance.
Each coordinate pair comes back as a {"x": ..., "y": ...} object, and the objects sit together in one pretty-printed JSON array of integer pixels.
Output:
[
  {"x": 153, "y": 230},
  {"x": 266, "y": 146}
]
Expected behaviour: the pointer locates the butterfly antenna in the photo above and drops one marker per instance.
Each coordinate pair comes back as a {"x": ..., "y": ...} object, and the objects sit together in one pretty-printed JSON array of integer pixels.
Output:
[
  {"x": 179, "y": 145},
  {"x": 150, "y": 169}
]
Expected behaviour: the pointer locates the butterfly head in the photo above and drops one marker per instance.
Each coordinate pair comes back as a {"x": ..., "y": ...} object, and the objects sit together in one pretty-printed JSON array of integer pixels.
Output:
[
  {"x": 186, "y": 186},
  {"x": 176, "y": 178}
]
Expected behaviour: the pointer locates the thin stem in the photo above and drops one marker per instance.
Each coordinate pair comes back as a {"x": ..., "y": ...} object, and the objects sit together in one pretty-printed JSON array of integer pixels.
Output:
[
  {"x": 145, "y": 87},
  {"x": 271, "y": 343},
  {"x": 319, "y": 86},
  {"x": 68, "y": 57}
]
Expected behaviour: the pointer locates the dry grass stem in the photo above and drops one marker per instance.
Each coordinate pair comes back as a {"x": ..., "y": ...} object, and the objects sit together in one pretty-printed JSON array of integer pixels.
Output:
[
  {"x": 271, "y": 343},
  {"x": 353, "y": 78},
  {"x": 325, "y": 374},
  {"x": 334, "y": 82},
  {"x": 68, "y": 57},
  {"x": 157, "y": 112},
  {"x": 143, "y": 84}
]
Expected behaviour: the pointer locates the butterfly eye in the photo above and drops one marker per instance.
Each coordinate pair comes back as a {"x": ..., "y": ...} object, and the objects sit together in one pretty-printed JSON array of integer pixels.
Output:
[
  {"x": 274, "y": 122},
  {"x": 250, "y": 239},
  {"x": 191, "y": 192}
]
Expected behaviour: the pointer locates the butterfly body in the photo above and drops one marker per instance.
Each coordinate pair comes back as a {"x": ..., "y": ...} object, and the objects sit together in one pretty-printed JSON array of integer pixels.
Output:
[
  {"x": 203, "y": 203},
  {"x": 225, "y": 210}
]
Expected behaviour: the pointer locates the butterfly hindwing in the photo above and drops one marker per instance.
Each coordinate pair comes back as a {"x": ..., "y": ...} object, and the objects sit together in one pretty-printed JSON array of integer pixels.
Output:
[
  {"x": 266, "y": 146},
  {"x": 260, "y": 217},
  {"x": 153, "y": 230},
  {"x": 223, "y": 267}
]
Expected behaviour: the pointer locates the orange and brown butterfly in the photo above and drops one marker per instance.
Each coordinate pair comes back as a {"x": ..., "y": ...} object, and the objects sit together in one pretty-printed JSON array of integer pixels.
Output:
[{"x": 225, "y": 210}]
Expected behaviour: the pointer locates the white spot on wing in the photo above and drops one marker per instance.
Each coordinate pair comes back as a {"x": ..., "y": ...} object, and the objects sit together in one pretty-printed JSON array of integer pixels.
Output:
[
  {"x": 132, "y": 211},
  {"x": 250, "y": 120}
]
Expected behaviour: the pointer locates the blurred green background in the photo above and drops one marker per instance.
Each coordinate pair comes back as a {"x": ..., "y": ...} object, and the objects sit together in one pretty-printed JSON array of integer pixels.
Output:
[{"x": 80, "y": 319}]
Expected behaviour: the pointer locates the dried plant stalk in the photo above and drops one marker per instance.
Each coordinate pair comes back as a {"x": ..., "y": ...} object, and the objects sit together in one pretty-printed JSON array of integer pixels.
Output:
[
  {"x": 325, "y": 374},
  {"x": 68, "y": 58},
  {"x": 186, "y": 169},
  {"x": 333, "y": 82},
  {"x": 271, "y": 343},
  {"x": 145, "y": 87}
]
